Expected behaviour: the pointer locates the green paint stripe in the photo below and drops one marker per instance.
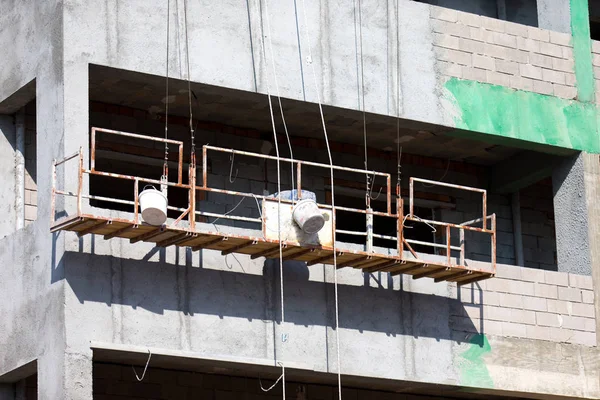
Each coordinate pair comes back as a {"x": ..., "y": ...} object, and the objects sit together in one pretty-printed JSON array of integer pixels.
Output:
[
  {"x": 582, "y": 50},
  {"x": 520, "y": 115}
]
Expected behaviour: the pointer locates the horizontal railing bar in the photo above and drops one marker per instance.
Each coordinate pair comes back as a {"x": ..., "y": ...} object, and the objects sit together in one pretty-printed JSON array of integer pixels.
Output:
[
  {"x": 64, "y": 160},
  {"x": 385, "y": 237},
  {"x": 310, "y": 163},
  {"x": 465, "y": 227},
  {"x": 442, "y": 246},
  {"x": 133, "y": 178},
  {"x": 474, "y": 221},
  {"x": 351, "y": 232},
  {"x": 221, "y": 216},
  {"x": 451, "y": 185},
  {"x": 137, "y": 136}
]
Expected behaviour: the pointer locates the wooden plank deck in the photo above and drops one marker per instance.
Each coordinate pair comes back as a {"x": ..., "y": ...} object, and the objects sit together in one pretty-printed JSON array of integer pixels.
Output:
[{"x": 255, "y": 247}]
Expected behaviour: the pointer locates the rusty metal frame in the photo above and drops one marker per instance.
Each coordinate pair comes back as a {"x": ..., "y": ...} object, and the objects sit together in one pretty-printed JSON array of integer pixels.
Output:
[{"x": 401, "y": 242}]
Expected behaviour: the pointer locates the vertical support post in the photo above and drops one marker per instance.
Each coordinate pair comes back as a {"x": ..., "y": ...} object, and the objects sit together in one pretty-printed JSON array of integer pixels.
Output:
[
  {"x": 448, "y": 246},
  {"x": 411, "y": 211},
  {"x": 400, "y": 223},
  {"x": 484, "y": 207},
  {"x": 180, "y": 165},
  {"x": 389, "y": 194},
  {"x": 136, "y": 198},
  {"x": 204, "y": 167},
  {"x": 369, "y": 217},
  {"x": 462, "y": 247},
  {"x": 93, "y": 151},
  {"x": 299, "y": 180},
  {"x": 192, "y": 205},
  {"x": 494, "y": 243},
  {"x": 517, "y": 232},
  {"x": 80, "y": 182}
]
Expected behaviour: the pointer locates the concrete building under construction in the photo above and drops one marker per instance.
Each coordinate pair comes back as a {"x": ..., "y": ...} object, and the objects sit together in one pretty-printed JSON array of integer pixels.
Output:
[{"x": 303, "y": 199}]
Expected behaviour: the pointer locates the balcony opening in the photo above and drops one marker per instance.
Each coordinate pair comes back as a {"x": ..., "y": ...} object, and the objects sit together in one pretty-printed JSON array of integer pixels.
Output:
[{"x": 519, "y": 11}]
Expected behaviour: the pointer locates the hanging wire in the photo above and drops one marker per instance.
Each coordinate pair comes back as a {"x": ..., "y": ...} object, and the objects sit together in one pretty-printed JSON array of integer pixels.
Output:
[
  {"x": 398, "y": 147},
  {"x": 262, "y": 44},
  {"x": 189, "y": 85},
  {"x": 335, "y": 274},
  {"x": 362, "y": 79},
  {"x": 166, "y": 163},
  {"x": 145, "y": 368},
  {"x": 279, "y": 97}
]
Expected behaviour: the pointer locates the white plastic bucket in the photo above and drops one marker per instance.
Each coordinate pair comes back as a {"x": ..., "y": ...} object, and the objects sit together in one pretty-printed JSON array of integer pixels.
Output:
[
  {"x": 307, "y": 215},
  {"x": 153, "y": 205}
]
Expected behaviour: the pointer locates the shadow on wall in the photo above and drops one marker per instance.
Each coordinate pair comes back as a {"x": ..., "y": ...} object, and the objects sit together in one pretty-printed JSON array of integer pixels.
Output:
[{"x": 160, "y": 286}]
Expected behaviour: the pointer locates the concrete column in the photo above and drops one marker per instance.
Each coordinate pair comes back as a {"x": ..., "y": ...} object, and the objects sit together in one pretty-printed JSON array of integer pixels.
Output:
[
  {"x": 571, "y": 216},
  {"x": 65, "y": 376},
  {"x": 554, "y": 15},
  {"x": 7, "y": 391},
  {"x": 591, "y": 164}
]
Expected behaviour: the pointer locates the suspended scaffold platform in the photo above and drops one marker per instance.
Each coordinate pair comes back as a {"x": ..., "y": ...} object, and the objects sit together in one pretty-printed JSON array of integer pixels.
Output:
[{"x": 316, "y": 249}]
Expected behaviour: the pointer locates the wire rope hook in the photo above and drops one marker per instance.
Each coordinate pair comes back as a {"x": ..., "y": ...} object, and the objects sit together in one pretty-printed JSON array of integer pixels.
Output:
[
  {"x": 231, "y": 159},
  {"x": 372, "y": 185},
  {"x": 145, "y": 368}
]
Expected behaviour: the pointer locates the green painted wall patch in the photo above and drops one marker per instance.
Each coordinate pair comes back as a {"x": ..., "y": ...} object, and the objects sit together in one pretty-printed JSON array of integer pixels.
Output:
[
  {"x": 473, "y": 370},
  {"x": 582, "y": 50},
  {"x": 522, "y": 115}
]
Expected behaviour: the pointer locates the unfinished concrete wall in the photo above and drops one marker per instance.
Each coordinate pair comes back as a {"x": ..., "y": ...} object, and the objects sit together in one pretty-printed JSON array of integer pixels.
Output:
[
  {"x": 502, "y": 53},
  {"x": 7, "y": 174}
]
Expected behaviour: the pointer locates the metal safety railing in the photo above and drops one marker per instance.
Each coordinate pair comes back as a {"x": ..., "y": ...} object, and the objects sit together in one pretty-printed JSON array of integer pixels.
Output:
[{"x": 193, "y": 188}]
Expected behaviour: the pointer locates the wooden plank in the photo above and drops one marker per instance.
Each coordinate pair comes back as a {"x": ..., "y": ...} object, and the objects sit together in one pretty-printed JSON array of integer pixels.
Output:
[
  {"x": 93, "y": 228},
  {"x": 354, "y": 262},
  {"x": 322, "y": 260},
  {"x": 268, "y": 252},
  {"x": 209, "y": 243},
  {"x": 121, "y": 231},
  {"x": 178, "y": 238},
  {"x": 147, "y": 235},
  {"x": 239, "y": 247},
  {"x": 379, "y": 267},
  {"x": 408, "y": 269},
  {"x": 474, "y": 279},
  {"x": 68, "y": 225},
  {"x": 452, "y": 276},
  {"x": 296, "y": 254},
  {"x": 431, "y": 271}
]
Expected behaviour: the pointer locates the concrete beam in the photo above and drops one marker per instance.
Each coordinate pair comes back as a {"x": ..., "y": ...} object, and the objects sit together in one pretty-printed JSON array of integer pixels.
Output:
[
  {"x": 521, "y": 170},
  {"x": 591, "y": 166}
]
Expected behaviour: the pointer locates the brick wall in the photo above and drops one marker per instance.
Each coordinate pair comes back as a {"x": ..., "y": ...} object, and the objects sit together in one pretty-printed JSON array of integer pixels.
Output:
[
  {"x": 489, "y": 50},
  {"x": 596, "y": 64},
  {"x": 529, "y": 303},
  {"x": 30, "y": 164},
  {"x": 118, "y": 382}
]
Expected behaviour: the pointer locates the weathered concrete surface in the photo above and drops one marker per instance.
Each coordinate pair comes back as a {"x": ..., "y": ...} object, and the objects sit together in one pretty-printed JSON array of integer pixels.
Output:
[
  {"x": 571, "y": 216},
  {"x": 591, "y": 165},
  {"x": 7, "y": 169},
  {"x": 554, "y": 15}
]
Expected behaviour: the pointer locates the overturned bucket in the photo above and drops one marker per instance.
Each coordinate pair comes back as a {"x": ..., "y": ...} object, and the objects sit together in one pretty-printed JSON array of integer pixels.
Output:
[
  {"x": 307, "y": 215},
  {"x": 153, "y": 204}
]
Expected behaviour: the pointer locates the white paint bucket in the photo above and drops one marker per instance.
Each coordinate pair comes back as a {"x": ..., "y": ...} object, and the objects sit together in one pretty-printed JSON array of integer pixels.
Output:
[
  {"x": 153, "y": 205},
  {"x": 307, "y": 215}
]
